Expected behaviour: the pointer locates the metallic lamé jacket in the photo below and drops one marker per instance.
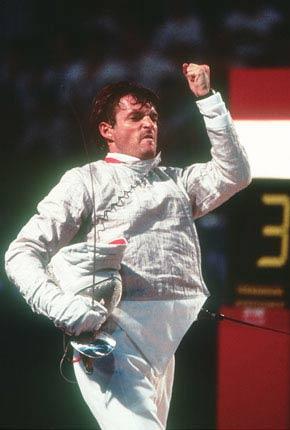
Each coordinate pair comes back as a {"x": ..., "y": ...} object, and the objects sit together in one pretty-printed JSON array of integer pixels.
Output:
[{"x": 154, "y": 207}]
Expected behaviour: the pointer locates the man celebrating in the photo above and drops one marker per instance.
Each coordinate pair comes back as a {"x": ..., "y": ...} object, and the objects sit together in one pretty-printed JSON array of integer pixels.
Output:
[{"x": 129, "y": 195}]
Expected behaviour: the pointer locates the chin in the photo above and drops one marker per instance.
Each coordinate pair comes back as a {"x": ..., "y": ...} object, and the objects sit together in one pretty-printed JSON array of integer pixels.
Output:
[
  {"x": 147, "y": 155},
  {"x": 148, "y": 151}
]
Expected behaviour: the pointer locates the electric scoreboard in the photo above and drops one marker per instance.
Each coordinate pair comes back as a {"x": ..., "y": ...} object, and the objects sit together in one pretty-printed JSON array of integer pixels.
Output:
[{"x": 259, "y": 100}]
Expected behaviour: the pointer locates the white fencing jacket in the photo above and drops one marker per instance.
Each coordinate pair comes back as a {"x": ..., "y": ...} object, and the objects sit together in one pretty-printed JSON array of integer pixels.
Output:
[{"x": 154, "y": 208}]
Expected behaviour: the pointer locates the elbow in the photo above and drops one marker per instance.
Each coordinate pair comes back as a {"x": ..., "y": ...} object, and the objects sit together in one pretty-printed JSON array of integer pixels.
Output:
[
  {"x": 6, "y": 259},
  {"x": 244, "y": 179},
  {"x": 247, "y": 175},
  {"x": 12, "y": 264},
  {"x": 238, "y": 178},
  {"x": 7, "y": 264}
]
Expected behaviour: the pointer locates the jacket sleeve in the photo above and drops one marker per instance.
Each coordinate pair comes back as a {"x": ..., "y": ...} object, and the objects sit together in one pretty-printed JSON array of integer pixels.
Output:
[
  {"x": 210, "y": 184},
  {"x": 59, "y": 217}
]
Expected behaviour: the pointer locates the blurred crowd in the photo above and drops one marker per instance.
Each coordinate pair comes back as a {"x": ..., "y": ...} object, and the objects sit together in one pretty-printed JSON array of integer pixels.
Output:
[{"x": 57, "y": 54}]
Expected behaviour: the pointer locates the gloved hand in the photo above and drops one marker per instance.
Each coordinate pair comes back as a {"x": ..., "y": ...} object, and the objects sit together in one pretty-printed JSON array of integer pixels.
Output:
[{"x": 73, "y": 314}]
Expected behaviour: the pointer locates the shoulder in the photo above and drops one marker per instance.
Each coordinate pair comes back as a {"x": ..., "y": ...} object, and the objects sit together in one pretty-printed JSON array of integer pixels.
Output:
[
  {"x": 74, "y": 183},
  {"x": 85, "y": 173}
]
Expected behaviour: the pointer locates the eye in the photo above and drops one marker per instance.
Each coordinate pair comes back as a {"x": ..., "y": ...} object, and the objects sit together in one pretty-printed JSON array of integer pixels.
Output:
[
  {"x": 154, "y": 116},
  {"x": 136, "y": 116}
]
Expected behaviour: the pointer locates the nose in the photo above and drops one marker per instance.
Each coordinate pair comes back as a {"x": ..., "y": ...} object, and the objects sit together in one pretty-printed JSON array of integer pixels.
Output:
[{"x": 148, "y": 122}]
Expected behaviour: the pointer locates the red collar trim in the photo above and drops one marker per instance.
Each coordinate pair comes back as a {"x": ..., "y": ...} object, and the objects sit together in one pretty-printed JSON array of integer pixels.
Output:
[{"x": 112, "y": 160}]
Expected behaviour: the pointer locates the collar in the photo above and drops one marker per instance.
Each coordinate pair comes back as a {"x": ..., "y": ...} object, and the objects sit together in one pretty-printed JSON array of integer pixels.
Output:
[
  {"x": 117, "y": 157},
  {"x": 142, "y": 166}
]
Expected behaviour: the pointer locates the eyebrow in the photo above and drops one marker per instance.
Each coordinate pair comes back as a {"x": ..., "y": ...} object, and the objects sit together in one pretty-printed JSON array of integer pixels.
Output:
[
  {"x": 152, "y": 109},
  {"x": 140, "y": 113}
]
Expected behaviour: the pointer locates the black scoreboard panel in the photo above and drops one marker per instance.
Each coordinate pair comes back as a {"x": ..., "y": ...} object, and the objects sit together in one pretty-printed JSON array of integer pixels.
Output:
[{"x": 259, "y": 229}]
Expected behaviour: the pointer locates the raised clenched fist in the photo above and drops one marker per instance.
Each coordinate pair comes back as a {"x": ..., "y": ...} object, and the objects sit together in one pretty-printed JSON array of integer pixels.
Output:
[{"x": 198, "y": 77}]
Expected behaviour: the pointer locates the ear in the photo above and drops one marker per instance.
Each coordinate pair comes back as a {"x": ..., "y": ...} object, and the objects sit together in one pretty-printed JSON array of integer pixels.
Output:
[{"x": 105, "y": 130}]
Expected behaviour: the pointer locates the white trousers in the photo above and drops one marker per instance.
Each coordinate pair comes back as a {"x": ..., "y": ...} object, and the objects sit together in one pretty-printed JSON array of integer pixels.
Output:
[{"x": 124, "y": 392}]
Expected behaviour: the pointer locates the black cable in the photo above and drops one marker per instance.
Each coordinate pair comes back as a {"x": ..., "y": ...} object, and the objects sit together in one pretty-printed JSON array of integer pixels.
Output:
[{"x": 205, "y": 314}]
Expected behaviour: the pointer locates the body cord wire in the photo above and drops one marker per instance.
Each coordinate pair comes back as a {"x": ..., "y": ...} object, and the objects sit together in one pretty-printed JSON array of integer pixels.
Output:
[{"x": 206, "y": 314}]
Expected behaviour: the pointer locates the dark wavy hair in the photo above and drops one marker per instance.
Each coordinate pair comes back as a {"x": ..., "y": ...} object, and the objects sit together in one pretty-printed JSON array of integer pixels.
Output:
[{"x": 104, "y": 104}]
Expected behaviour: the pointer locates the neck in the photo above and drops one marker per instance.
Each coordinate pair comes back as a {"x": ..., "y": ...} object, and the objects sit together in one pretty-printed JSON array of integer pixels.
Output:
[{"x": 121, "y": 156}]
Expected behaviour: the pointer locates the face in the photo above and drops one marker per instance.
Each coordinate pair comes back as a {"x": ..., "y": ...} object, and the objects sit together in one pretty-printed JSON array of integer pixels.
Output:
[{"x": 135, "y": 130}]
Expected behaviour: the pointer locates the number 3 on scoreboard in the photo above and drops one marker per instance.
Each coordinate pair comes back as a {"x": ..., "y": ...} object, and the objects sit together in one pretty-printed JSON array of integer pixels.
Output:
[{"x": 279, "y": 231}]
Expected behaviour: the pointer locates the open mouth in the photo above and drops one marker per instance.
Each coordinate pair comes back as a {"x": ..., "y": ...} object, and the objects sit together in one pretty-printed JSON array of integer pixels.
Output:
[{"x": 148, "y": 136}]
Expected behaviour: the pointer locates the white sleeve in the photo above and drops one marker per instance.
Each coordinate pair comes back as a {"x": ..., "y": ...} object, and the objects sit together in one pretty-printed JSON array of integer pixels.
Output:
[
  {"x": 211, "y": 184},
  {"x": 59, "y": 217}
]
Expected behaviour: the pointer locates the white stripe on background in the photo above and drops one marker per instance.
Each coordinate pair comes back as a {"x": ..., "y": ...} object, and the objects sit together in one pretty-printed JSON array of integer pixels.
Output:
[{"x": 267, "y": 143}]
